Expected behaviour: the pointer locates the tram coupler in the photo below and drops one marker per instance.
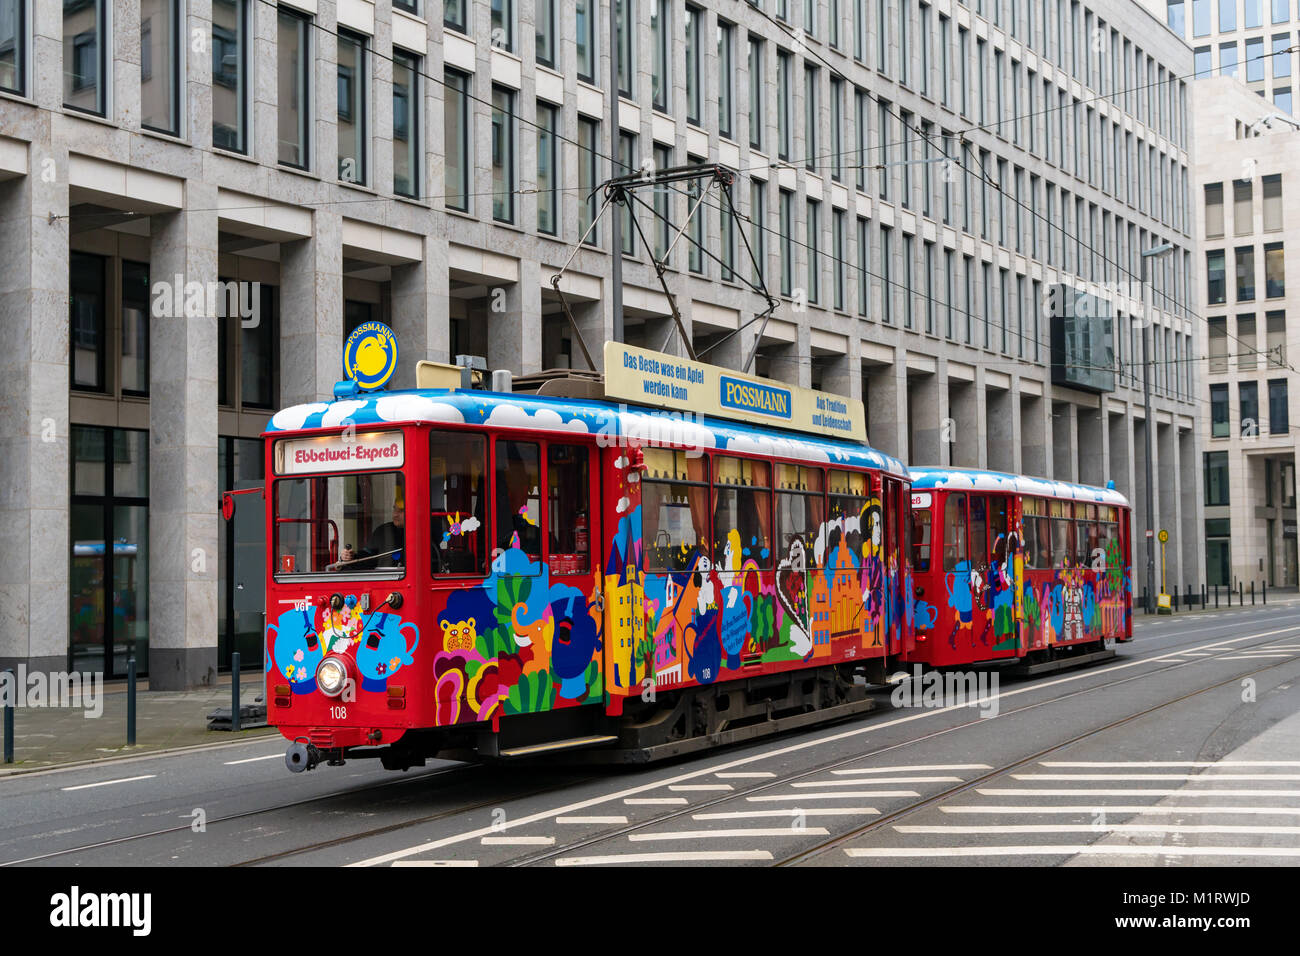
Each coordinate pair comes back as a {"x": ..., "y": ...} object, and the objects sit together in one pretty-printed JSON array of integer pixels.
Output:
[{"x": 301, "y": 756}]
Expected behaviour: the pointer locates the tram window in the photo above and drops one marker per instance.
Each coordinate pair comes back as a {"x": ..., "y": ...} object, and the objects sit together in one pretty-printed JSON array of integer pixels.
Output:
[
  {"x": 954, "y": 532},
  {"x": 568, "y": 498},
  {"x": 1029, "y": 544},
  {"x": 799, "y": 516},
  {"x": 1062, "y": 542},
  {"x": 519, "y": 512},
  {"x": 997, "y": 528},
  {"x": 847, "y": 494},
  {"x": 674, "y": 510},
  {"x": 921, "y": 539},
  {"x": 1088, "y": 536},
  {"x": 456, "y": 503},
  {"x": 979, "y": 528},
  {"x": 800, "y": 509},
  {"x": 1109, "y": 533},
  {"x": 340, "y": 523},
  {"x": 742, "y": 514}
]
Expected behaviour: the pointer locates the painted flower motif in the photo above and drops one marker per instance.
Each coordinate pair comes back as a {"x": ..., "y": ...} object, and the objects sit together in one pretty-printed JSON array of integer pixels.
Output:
[
  {"x": 395, "y": 663},
  {"x": 298, "y": 655},
  {"x": 381, "y": 668}
]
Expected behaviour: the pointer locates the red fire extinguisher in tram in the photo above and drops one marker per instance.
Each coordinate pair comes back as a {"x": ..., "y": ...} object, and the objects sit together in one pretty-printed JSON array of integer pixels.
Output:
[{"x": 580, "y": 535}]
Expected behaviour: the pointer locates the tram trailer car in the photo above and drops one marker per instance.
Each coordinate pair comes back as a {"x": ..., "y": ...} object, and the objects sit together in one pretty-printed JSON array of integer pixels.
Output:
[
  {"x": 495, "y": 575},
  {"x": 1009, "y": 567}
]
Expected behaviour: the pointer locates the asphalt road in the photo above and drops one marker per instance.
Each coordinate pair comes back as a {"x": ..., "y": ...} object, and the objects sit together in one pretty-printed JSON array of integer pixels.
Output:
[{"x": 1184, "y": 750}]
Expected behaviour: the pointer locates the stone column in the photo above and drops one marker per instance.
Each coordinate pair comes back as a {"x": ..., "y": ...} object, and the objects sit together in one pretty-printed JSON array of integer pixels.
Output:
[
  {"x": 34, "y": 446},
  {"x": 515, "y": 333},
  {"x": 1191, "y": 517},
  {"x": 1033, "y": 435},
  {"x": 886, "y": 395},
  {"x": 1065, "y": 440},
  {"x": 1091, "y": 449},
  {"x": 926, "y": 408},
  {"x": 421, "y": 297},
  {"x": 183, "y": 454},
  {"x": 1002, "y": 412},
  {"x": 311, "y": 312}
]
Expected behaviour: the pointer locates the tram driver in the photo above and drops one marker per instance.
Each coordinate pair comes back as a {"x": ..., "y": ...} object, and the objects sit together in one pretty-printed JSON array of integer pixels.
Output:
[{"x": 384, "y": 547}]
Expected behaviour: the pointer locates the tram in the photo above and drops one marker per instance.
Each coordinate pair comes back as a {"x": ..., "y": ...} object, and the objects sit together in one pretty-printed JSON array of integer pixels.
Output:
[
  {"x": 499, "y": 574},
  {"x": 1008, "y": 567}
]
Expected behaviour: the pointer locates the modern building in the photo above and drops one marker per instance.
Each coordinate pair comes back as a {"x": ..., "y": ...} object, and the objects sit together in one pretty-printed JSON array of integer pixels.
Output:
[
  {"x": 1254, "y": 41},
  {"x": 919, "y": 181},
  {"x": 1246, "y": 180}
]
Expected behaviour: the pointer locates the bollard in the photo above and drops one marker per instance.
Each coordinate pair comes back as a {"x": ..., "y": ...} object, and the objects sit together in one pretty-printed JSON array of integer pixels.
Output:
[
  {"x": 130, "y": 700},
  {"x": 1252, "y": 593},
  {"x": 1264, "y": 587},
  {"x": 9, "y": 722},
  {"x": 1203, "y": 597},
  {"x": 234, "y": 692},
  {"x": 1216, "y": 597},
  {"x": 1240, "y": 593}
]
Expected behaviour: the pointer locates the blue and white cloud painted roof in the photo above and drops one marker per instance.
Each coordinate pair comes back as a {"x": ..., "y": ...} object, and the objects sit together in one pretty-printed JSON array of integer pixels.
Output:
[
  {"x": 971, "y": 479},
  {"x": 648, "y": 426}
]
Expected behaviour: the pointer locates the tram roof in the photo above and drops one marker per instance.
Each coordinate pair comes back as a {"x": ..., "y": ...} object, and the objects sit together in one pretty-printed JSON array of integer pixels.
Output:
[
  {"x": 543, "y": 413},
  {"x": 974, "y": 479}
]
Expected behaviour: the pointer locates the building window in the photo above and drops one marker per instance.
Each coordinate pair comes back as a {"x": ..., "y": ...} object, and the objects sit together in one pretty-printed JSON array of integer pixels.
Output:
[
  {"x": 727, "y": 240},
  {"x": 1228, "y": 59},
  {"x": 627, "y": 155},
  {"x": 352, "y": 100},
  {"x": 625, "y": 12},
  {"x": 88, "y": 327},
  {"x": 695, "y": 261},
  {"x": 886, "y": 275},
  {"x": 1218, "y": 411},
  {"x": 1174, "y": 17},
  {"x": 293, "y": 50},
  {"x": 586, "y": 16},
  {"x": 456, "y": 140},
  {"x": 588, "y": 177},
  {"x": 755, "y": 93},
  {"x": 1254, "y": 59},
  {"x": 860, "y": 134},
  {"x": 109, "y": 565},
  {"x": 783, "y": 105},
  {"x": 548, "y": 173},
  {"x": 454, "y": 15},
  {"x": 230, "y": 74},
  {"x": 406, "y": 124},
  {"x": 1245, "y": 256},
  {"x": 13, "y": 46},
  {"x": 661, "y": 67},
  {"x": 1248, "y": 392},
  {"x": 864, "y": 257},
  {"x": 503, "y": 154},
  {"x": 663, "y": 193},
  {"x": 726, "y": 70},
  {"x": 85, "y": 39},
  {"x": 133, "y": 370},
  {"x": 503, "y": 25},
  {"x": 1203, "y": 64},
  {"x": 813, "y": 230},
  {"x": 1227, "y": 16},
  {"x": 810, "y": 124},
  {"x": 840, "y": 252},
  {"x": 1218, "y": 550},
  {"x": 694, "y": 30},
  {"x": 785, "y": 227},
  {"x": 758, "y": 227},
  {"x": 160, "y": 75},
  {"x": 1274, "y": 271},
  {"x": 545, "y": 30},
  {"x": 1216, "y": 478},
  {"x": 1213, "y": 210},
  {"x": 1279, "y": 416},
  {"x": 1216, "y": 281}
]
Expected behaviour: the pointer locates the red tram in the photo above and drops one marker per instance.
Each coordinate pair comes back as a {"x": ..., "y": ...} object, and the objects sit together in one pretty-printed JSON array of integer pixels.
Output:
[
  {"x": 502, "y": 574},
  {"x": 1012, "y": 567}
]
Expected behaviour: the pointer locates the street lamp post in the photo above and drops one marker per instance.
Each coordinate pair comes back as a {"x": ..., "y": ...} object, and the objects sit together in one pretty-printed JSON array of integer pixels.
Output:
[{"x": 1149, "y": 537}]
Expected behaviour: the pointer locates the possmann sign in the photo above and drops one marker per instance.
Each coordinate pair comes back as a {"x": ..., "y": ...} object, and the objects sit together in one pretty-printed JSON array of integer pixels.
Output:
[
  {"x": 346, "y": 452},
  {"x": 653, "y": 378}
]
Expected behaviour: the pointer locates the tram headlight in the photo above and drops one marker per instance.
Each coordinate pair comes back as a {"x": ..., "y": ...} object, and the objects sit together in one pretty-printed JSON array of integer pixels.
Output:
[{"x": 332, "y": 676}]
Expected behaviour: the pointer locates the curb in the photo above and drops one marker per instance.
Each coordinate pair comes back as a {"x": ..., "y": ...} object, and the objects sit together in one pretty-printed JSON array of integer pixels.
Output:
[{"x": 256, "y": 734}]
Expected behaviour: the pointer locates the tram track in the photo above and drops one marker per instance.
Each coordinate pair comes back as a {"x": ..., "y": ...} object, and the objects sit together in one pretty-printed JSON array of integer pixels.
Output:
[
  {"x": 768, "y": 785},
  {"x": 604, "y": 836}
]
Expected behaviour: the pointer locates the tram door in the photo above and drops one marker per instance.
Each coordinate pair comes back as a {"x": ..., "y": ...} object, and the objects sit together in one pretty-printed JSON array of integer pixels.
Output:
[
  {"x": 892, "y": 503},
  {"x": 1000, "y": 580}
]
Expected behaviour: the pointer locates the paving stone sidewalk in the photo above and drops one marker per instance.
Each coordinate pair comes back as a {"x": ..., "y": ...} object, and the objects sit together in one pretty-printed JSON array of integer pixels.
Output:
[{"x": 165, "y": 720}]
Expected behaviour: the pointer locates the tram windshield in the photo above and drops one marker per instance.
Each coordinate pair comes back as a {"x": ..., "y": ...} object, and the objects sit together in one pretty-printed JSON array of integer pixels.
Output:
[{"x": 340, "y": 524}]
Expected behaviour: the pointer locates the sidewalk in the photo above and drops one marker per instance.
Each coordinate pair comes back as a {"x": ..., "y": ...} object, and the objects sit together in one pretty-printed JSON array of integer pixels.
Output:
[
  {"x": 1276, "y": 598},
  {"x": 46, "y": 737}
]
